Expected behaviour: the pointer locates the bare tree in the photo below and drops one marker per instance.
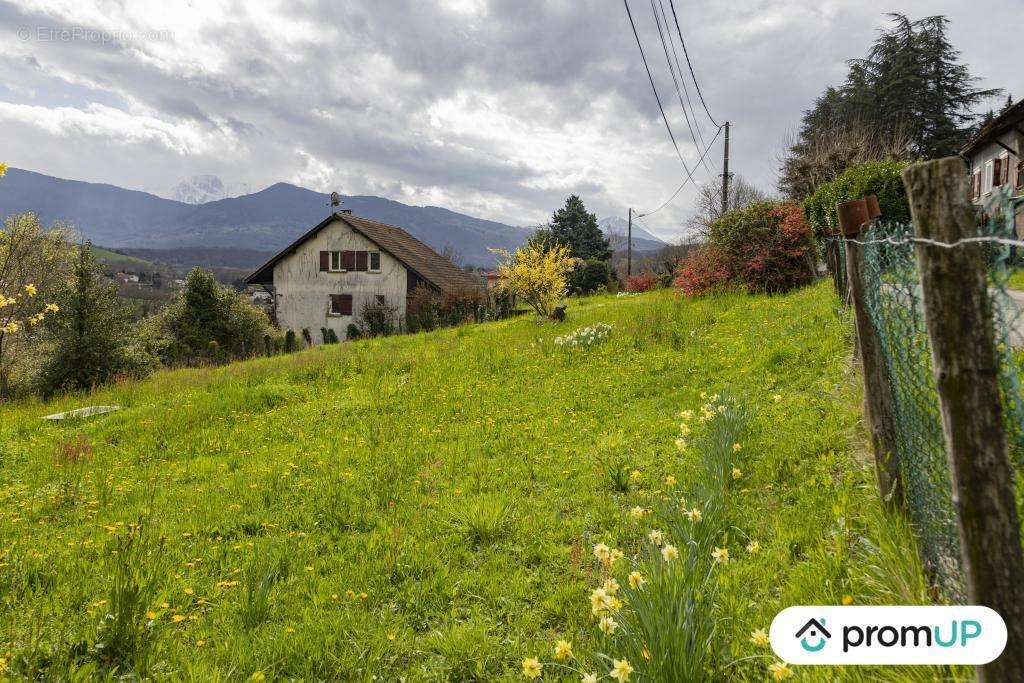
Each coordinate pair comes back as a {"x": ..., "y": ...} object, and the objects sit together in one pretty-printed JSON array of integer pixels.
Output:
[
  {"x": 709, "y": 203},
  {"x": 452, "y": 254}
]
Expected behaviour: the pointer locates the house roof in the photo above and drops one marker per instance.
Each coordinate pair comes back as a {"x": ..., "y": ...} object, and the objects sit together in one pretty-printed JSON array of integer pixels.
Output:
[
  {"x": 413, "y": 254},
  {"x": 1009, "y": 119}
]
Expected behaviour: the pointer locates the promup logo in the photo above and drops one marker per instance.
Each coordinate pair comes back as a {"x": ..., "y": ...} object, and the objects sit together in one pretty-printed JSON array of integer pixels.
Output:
[
  {"x": 888, "y": 635},
  {"x": 815, "y": 630}
]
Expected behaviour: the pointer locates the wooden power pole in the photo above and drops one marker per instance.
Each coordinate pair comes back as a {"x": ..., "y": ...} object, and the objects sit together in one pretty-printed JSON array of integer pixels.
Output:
[
  {"x": 725, "y": 173},
  {"x": 629, "y": 244}
]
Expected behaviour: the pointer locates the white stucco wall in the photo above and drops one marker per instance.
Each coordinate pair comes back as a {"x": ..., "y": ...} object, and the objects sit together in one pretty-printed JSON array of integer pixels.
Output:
[{"x": 303, "y": 291}]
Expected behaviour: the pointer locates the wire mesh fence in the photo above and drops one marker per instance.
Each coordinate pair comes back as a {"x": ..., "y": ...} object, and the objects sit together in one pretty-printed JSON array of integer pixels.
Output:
[{"x": 894, "y": 303}]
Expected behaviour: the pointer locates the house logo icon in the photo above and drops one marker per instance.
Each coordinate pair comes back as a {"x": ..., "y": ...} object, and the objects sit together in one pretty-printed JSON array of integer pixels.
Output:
[{"x": 815, "y": 631}]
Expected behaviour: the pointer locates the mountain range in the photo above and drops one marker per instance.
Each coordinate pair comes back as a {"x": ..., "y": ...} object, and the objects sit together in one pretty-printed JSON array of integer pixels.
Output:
[{"x": 264, "y": 221}]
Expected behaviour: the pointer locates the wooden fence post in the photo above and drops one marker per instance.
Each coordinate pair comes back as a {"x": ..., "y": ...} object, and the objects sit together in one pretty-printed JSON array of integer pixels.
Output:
[
  {"x": 878, "y": 405},
  {"x": 959, "y": 320}
]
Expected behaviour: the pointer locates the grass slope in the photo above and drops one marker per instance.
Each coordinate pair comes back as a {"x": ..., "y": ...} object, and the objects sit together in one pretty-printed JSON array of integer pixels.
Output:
[
  {"x": 119, "y": 261},
  {"x": 425, "y": 506}
]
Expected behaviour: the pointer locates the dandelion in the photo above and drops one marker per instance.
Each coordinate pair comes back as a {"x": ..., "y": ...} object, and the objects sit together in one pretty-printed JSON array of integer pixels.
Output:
[
  {"x": 694, "y": 515},
  {"x": 151, "y": 614},
  {"x": 753, "y": 547},
  {"x": 636, "y": 580},
  {"x": 670, "y": 552},
  {"x": 607, "y": 625},
  {"x": 670, "y": 480},
  {"x": 257, "y": 676},
  {"x": 656, "y": 537},
  {"x": 737, "y": 473},
  {"x": 178, "y": 618},
  {"x": 637, "y": 512},
  {"x": 588, "y": 678},
  {"x": 621, "y": 669},
  {"x": 759, "y": 637},
  {"x": 31, "y": 290},
  {"x": 736, "y": 448},
  {"x": 777, "y": 397},
  {"x": 686, "y": 414},
  {"x": 532, "y": 667},
  {"x": 563, "y": 650},
  {"x": 847, "y": 599},
  {"x": 721, "y": 555},
  {"x": 634, "y": 475},
  {"x": 780, "y": 671}
]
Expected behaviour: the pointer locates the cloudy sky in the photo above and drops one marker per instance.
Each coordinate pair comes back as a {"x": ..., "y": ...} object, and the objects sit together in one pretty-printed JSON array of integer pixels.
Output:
[{"x": 494, "y": 108}]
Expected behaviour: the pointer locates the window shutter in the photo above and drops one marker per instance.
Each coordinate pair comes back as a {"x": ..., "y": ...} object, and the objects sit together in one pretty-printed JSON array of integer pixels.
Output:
[
  {"x": 997, "y": 172},
  {"x": 325, "y": 260},
  {"x": 348, "y": 260},
  {"x": 361, "y": 260},
  {"x": 346, "y": 304}
]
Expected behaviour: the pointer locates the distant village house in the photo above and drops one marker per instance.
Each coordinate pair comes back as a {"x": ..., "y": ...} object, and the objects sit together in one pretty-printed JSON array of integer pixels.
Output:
[{"x": 325, "y": 277}]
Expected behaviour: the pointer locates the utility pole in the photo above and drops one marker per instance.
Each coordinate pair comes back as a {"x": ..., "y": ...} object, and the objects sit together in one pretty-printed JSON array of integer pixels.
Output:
[
  {"x": 629, "y": 244},
  {"x": 725, "y": 173}
]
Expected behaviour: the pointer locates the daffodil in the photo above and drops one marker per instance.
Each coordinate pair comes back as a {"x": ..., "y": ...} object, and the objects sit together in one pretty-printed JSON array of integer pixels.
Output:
[
  {"x": 736, "y": 448},
  {"x": 601, "y": 552},
  {"x": 670, "y": 480},
  {"x": 736, "y": 473},
  {"x": 636, "y": 580},
  {"x": 694, "y": 515},
  {"x": 637, "y": 512},
  {"x": 684, "y": 429},
  {"x": 600, "y": 601},
  {"x": 563, "y": 650},
  {"x": 611, "y": 586},
  {"x": 607, "y": 625},
  {"x": 656, "y": 537},
  {"x": 686, "y": 414},
  {"x": 532, "y": 667},
  {"x": 753, "y": 547},
  {"x": 780, "y": 671},
  {"x": 759, "y": 637},
  {"x": 670, "y": 552},
  {"x": 680, "y": 444},
  {"x": 621, "y": 669},
  {"x": 588, "y": 678},
  {"x": 721, "y": 555}
]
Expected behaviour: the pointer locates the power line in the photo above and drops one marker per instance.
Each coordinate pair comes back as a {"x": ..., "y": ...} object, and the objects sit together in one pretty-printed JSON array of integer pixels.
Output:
[
  {"x": 679, "y": 70},
  {"x": 675, "y": 81},
  {"x": 687, "y": 55},
  {"x": 684, "y": 183},
  {"x": 654, "y": 89}
]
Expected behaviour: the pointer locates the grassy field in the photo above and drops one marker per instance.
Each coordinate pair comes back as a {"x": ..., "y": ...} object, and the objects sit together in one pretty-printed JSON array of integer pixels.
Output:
[
  {"x": 427, "y": 506},
  {"x": 119, "y": 261}
]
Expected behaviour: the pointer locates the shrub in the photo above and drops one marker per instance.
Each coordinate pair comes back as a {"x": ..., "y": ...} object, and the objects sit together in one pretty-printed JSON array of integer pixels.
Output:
[
  {"x": 377, "y": 318},
  {"x": 589, "y": 276},
  {"x": 353, "y": 332},
  {"x": 765, "y": 247},
  {"x": 89, "y": 331},
  {"x": 207, "y": 322},
  {"x": 461, "y": 305},
  {"x": 422, "y": 309},
  {"x": 536, "y": 276},
  {"x": 880, "y": 178},
  {"x": 289, "y": 341},
  {"x": 644, "y": 282},
  {"x": 307, "y": 336}
]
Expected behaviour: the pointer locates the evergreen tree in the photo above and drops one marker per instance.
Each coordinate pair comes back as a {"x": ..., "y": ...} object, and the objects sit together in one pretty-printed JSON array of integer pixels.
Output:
[
  {"x": 910, "y": 88},
  {"x": 573, "y": 227},
  {"x": 90, "y": 331}
]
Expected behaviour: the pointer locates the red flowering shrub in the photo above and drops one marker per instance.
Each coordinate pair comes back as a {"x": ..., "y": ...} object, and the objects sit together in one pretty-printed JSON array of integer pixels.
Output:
[
  {"x": 644, "y": 282},
  {"x": 765, "y": 247}
]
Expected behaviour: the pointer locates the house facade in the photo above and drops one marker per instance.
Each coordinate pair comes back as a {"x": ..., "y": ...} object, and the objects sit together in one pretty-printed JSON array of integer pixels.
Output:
[
  {"x": 996, "y": 159},
  {"x": 325, "y": 278}
]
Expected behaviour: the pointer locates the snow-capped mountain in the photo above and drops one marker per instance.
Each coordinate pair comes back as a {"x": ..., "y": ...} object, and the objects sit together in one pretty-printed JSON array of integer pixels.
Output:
[
  {"x": 200, "y": 189},
  {"x": 619, "y": 226}
]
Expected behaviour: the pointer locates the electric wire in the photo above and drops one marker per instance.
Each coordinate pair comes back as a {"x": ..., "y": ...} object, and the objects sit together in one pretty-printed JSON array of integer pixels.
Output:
[{"x": 690, "y": 65}]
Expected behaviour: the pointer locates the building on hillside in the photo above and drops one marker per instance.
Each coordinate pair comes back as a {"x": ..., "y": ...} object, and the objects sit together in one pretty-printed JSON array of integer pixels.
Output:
[
  {"x": 996, "y": 159},
  {"x": 325, "y": 277}
]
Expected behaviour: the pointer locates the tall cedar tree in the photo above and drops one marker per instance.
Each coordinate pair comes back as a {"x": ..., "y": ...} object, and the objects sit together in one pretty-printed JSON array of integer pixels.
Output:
[
  {"x": 911, "y": 85},
  {"x": 90, "y": 331},
  {"x": 573, "y": 227}
]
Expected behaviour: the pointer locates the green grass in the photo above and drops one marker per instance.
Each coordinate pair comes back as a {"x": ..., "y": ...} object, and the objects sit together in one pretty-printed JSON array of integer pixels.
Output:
[
  {"x": 1016, "y": 280},
  {"x": 426, "y": 506},
  {"x": 120, "y": 261}
]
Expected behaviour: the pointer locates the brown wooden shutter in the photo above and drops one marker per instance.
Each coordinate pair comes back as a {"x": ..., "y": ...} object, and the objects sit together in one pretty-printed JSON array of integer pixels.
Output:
[
  {"x": 348, "y": 260},
  {"x": 997, "y": 172},
  {"x": 346, "y": 304},
  {"x": 325, "y": 260},
  {"x": 361, "y": 260}
]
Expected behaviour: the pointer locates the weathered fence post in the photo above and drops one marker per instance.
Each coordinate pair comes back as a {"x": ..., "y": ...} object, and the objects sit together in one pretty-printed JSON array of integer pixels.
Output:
[
  {"x": 877, "y": 392},
  {"x": 959, "y": 320}
]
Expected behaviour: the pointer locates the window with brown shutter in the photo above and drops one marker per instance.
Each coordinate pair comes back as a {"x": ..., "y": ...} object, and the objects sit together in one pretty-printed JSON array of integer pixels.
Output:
[
  {"x": 977, "y": 184},
  {"x": 341, "y": 304},
  {"x": 348, "y": 260},
  {"x": 1020, "y": 174},
  {"x": 361, "y": 261},
  {"x": 325, "y": 260},
  {"x": 997, "y": 172}
]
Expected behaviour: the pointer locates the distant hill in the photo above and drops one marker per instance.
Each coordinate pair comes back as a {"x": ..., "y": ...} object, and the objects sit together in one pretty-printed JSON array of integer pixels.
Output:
[
  {"x": 617, "y": 227},
  {"x": 264, "y": 221}
]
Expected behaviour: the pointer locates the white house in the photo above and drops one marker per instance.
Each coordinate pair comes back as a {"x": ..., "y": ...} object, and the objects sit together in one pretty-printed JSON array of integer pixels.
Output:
[
  {"x": 996, "y": 157},
  {"x": 324, "y": 278}
]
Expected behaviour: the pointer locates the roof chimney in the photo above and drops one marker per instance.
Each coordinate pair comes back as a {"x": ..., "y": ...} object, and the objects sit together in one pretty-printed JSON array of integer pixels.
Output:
[{"x": 346, "y": 211}]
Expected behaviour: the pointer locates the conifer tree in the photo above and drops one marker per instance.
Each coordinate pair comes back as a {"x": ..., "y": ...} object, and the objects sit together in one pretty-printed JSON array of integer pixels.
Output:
[{"x": 575, "y": 228}]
